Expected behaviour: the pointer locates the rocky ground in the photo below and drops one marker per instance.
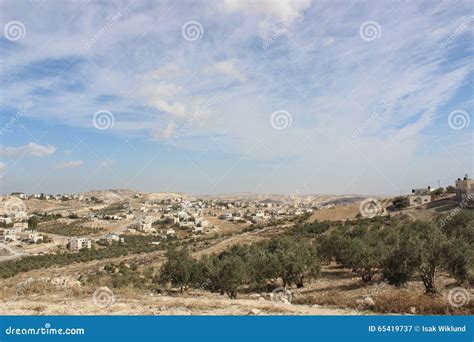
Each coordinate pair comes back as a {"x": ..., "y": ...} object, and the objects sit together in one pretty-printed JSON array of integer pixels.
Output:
[{"x": 128, "y": 304}]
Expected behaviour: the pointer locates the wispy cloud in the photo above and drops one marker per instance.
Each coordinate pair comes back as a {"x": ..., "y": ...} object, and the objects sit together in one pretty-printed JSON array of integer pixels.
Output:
[
  {"x": 268, "y": 14},
  {"x": 32, "y": 149},
  {"x": 228, "y": 68},
  {"x": 70, "y": 164},
  {"x": 254, "y": 58}
]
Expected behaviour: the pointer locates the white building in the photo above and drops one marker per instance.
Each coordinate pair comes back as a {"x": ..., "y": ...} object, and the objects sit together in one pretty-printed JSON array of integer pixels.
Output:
[
  {"x": 78, "y": 243},
  {"x": 6, "y": 220},
  {"x": 113, "y": 237},
  {"x": 146, "y": 224},
  {"x": 31, "y": 237},
  {"x": 11, "y": 234},
  {"x": 414, "y": 200},
  {"x": 202, "y": 223}
]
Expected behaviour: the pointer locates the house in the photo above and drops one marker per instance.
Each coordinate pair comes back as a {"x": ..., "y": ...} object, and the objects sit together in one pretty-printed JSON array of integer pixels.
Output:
[
  {"x": 11, "y": 234},
  {"x": 419, "y": 196},
  {"x": 31, "y": 237},
  {"x": 257, "y": 219},
  {"x": 78, "y": 243},
  {"x": 112, "y": 217},
  {"x": 6, "y": 220},
  {"x": 144, "y": 226},
  {"x": 19, "y": 195},
  {"x": 183, "y": 216},
  {"x": 414, "y": 200},
  {"x": 110, "y": 237},
  {"x": 465, "y": 191},
  {"x": 189, "y": 224},
  {"x": 16, "y": 229},
  {"x": 202, "y": 223},
  {"x": 128, "y": 217}
]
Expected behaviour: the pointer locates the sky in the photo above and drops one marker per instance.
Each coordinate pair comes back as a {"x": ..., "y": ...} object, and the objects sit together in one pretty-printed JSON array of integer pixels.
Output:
[{"x": 211, "y": 97}]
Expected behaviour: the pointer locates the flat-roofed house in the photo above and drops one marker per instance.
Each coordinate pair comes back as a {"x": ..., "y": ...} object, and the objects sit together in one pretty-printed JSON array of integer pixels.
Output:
[
  {"x": 465, "y": 191},
  {"x": 419, "y": 196},
  {"x": 78, "y": 243}
]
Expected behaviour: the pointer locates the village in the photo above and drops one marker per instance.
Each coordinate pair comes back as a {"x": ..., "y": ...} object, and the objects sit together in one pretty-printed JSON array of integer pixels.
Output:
[
  {"x": 107, "y": 219},
  {"x": 39, "y": 224}
]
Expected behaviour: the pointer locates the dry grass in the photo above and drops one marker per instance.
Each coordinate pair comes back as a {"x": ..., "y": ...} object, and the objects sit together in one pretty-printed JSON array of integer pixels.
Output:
[
  {"x": 406, "y": 301},
  {"x": 336, "y": 214},
  {"x": 389, "y": 300}
]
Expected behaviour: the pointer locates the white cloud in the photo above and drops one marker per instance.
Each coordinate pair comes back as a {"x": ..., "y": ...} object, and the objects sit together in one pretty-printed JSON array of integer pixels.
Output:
[
  {"x": 29, "y": 149},
  {"x": 166, "y": 132},
  {"x": 228, "y": 67},
  {"x": 282, "y": 9},
  {"x": 70, "y": 164},
  {"x": 162, "y": 97},
  {"x": 270, "y": 13},
  {"x": 171, "y": 70}
]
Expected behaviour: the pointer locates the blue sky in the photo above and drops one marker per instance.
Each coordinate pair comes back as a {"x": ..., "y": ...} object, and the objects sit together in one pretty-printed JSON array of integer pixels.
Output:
[{"x": 210, "y": 97}]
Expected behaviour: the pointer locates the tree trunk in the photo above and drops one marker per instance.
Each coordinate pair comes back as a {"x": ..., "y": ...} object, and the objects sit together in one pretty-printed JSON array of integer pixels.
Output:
[
  {"x": 299, "y": 283},
  {"x": 367, "y": 275},
  {"x": 428, "y": 278}
]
